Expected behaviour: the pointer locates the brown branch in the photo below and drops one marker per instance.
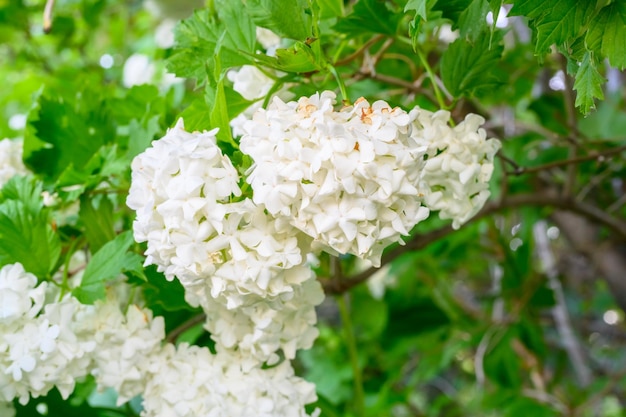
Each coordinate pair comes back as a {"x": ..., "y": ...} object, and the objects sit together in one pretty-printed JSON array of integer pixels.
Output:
[
  {"x": 420, "y": 241},
  {"x": 599, "y": 156},
  {"x": 183, "y": 327},
  {"x": 358, "y": 52},
  {"x": 570, "y": 111}
]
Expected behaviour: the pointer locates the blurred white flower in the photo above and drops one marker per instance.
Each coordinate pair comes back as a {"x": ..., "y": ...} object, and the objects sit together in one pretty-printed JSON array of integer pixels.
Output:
[
  {"x": 138, "y": 69},
  {"x": 446, "y": 34},
  {"x": 164, "y": 33},
  {"x": 17, "y": 121},
  {"x": 268, "y": 39},
  {"x": 250, "y": 82},
  {"x": 253, "y": 85},
  {"x": 11, "y": 159},
  {"x": 502, "y": 21}
]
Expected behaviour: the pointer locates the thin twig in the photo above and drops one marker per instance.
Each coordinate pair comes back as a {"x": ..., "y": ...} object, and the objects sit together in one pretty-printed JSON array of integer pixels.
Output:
[
  {"x": 560, "y": 313},
  {"x": 616, "y": 204},
  {"x": 599, "y": 156},
  {"x": 354, "y": 55},
  {"x": 570, "y": 111},
  {"x": 182, "y": 328}
]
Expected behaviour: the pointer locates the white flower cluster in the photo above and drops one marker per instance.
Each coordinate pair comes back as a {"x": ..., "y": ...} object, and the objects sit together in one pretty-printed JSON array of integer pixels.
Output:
[
  {"x": 357, "y": 179},
  {"x": 455, "y": 179},
  {"x": 11, "y": 159},
  {"x": 243, "y": 267},
  {"x": 349, "y": 179},
  {"x": 127, "y": 344},
  {"x": 40, "y": 347},
  {"x": 51, "y": 344},
  {"x": 192, "y": 382}
]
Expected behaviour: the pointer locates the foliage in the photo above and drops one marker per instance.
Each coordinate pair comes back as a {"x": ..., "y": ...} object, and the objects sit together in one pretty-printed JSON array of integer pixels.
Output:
[{"x": 520, "y": 312}]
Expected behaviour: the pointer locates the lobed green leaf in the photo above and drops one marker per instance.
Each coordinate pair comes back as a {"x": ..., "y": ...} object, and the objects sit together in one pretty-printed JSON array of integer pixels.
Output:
[{"x": 588, "y": 84}]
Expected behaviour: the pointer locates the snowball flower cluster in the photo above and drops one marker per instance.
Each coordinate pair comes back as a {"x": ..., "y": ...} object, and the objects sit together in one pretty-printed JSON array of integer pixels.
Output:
[
  {"x": 192, "y": 382},
  {"x": 459, "y": 164},
  {"x": 11, "y": 159},
  {"x": 347, "y": 181},
  {"x": 46, "y": 345},
  {"x": 127, "y": 344},
  {"x": 231, "y": 256},
  {"x": 40, "y": 346},
  {"x": 349, "y": 178}
]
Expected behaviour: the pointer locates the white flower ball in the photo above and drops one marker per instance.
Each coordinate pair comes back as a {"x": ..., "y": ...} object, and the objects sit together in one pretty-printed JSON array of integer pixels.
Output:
[
  {"x": 346, "y": 178},
  {"x": 181, "y": 189}
]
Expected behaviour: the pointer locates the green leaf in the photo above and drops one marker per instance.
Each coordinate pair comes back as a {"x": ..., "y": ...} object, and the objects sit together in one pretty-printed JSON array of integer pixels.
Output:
[
  {"x": 196, "y": 116},
  {"x": 96, "y": 215},
  {"x": 236, "y": 103},
  {"x": 588, "y": 84},
  {"x": 141, "y": 133},
  {"x": 418, "y": 6},
  {"x": 107, "y": 264},
  {"x": 330, "y": 8},
  {"x": 216, "y": 99},
  {"x": 371, "y": 319},
  {"x": 465, "y": 66},
  {"x": 202, "y": 39},
  {"x": 555, "y": 22},
  {"x": 158, "y": 291},
  {"x": 101, "y": 166},
  {"x": 140, "y": 101},
  {"x": 607, "y": 34},
  {"x": 369, "y": 16},
  {"x": 286, "y": 18},
  {"x": 25, "y": 189},
  {"x": 27, "y": 238},
  {"x": 299, "y": 58},
  {"x": 473, "y": 19},
  {"x": 421, "y": 9},
  {"x": 66, "y": 131},
  {"x": 452, "y": 9},
  {"x": 239, "y": 29},
  {"x": 502, "y": 364}
]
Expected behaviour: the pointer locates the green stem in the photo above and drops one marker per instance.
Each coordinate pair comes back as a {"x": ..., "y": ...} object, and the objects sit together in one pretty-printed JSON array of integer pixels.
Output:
[
  {"x": 131, "y": 296},
  {"x": 433, "y": 80},
  {"x": 342, "y": 85},
  {"x": 359, "y": 395},
  {"x": 66, "y": 268},
  {"x": 429, "y": 71}
]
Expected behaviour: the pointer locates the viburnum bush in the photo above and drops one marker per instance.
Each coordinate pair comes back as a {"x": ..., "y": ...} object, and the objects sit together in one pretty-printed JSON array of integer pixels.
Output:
[{"x": 312, "y": 207}]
